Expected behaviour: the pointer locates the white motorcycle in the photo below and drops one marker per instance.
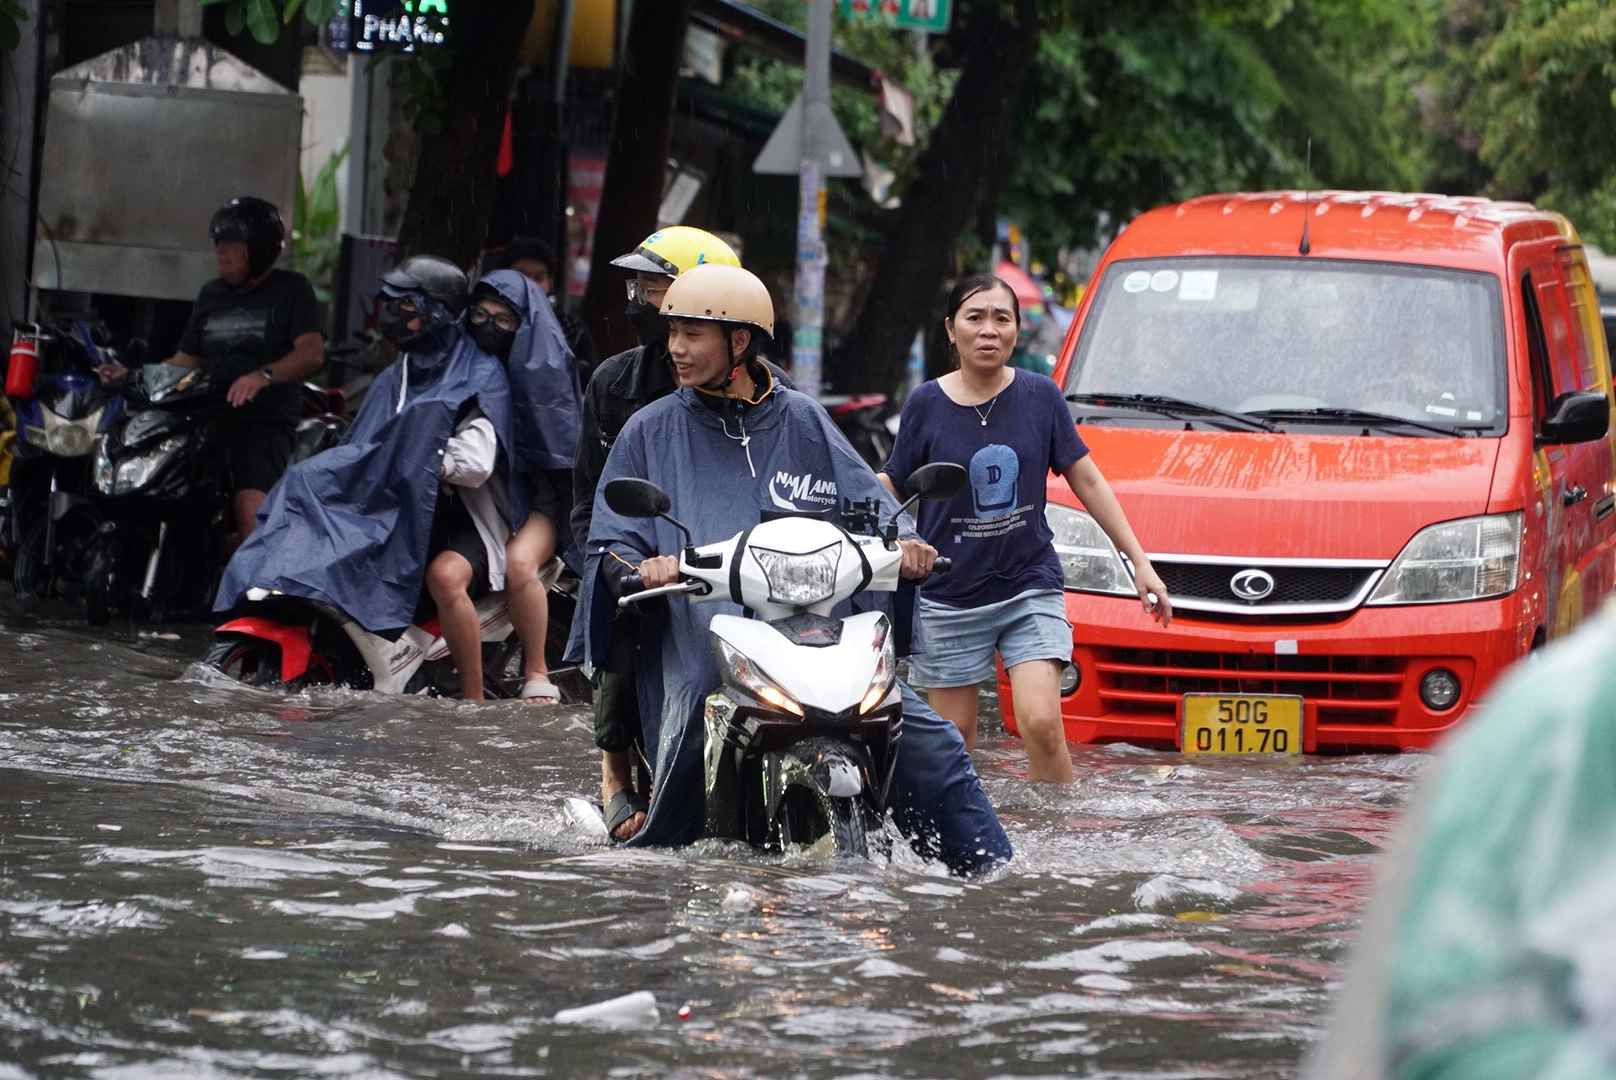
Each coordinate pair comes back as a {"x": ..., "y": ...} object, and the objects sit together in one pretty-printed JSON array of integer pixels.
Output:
[{"x": 801, "y": 738}]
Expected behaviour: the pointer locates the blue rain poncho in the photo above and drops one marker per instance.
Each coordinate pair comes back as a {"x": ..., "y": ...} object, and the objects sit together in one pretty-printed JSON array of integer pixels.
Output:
[
  {"x": 546, "y": 403},
  {"x": 351, "y": 526},
  {"x": 1489, "y": 950},
  {"x": 722, "y": 471}
]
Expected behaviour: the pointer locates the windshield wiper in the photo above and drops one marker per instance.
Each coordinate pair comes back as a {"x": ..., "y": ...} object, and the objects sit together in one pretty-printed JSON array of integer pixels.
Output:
[
  {"x": 1368, "y": 419},
  {"x": 1169, "y": 406}
]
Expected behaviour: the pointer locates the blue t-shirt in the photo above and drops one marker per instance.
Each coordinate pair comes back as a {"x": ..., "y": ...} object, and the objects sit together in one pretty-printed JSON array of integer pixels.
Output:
[{"x": 994, "y": 529}]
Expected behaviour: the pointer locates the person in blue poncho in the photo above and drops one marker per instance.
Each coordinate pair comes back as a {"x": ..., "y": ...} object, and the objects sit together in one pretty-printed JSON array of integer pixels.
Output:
[
  {"x": 421, "y": 492},
  {"x": 727, "y": 445},
  {"x": 511, "y": 319}
]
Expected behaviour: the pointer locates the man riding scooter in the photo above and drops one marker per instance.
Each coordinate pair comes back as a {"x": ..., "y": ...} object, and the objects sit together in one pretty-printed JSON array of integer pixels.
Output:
[
  {"x": 421, "y": 491},
  {"x": 256, "y": 330},
  {"x": 729, "y": 445}
]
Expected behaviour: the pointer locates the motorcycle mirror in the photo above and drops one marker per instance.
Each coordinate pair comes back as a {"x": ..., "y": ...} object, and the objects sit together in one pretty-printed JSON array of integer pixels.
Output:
[
  {"x": 632, "y": 497},
  {"x": 939, "y": 480}
]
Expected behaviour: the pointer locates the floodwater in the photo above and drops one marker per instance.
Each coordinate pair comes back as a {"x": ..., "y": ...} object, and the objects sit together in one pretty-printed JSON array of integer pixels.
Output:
[{"x": 202, "y": 880}]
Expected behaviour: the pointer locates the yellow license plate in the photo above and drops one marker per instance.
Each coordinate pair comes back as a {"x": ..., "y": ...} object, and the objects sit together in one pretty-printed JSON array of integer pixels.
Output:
[{"x": 1241, "y": 724}]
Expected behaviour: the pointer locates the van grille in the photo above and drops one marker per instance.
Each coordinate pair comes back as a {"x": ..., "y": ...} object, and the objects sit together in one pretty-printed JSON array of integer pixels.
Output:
[
  {"x": 1292, "y": 584},
  {"x": 1343, "y": 689}
]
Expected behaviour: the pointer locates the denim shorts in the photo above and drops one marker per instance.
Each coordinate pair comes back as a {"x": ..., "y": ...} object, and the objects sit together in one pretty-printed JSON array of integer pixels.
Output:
[{"x": 959, "y": 642}]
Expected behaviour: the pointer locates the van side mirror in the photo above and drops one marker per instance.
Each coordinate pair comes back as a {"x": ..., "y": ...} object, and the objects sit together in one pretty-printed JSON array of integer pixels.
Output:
[{"x": 1578, "y": 417}]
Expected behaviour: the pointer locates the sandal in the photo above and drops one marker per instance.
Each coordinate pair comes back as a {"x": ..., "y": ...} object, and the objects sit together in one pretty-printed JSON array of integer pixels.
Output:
[
  {"x": 540, "y": 688},
  {"x": 623, "y": 805}
]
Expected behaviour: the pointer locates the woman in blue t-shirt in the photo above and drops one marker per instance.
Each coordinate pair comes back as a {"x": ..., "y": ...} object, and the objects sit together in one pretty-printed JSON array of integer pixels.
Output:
[{"x": 1009, "y": 429}]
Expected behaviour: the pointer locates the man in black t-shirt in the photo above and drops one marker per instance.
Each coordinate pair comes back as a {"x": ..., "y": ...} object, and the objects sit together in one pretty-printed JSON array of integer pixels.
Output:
[{"x": 257, "y": 330}]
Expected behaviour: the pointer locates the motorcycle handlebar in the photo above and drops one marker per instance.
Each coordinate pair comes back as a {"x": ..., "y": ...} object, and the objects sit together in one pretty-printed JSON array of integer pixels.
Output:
[{"x": 942, "y": 564}]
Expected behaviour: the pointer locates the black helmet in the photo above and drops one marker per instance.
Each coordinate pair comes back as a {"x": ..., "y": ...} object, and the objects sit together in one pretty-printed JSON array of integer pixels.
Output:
[
  {"x": 254, "y": 222},
  {"x": 432, "y": 277}
]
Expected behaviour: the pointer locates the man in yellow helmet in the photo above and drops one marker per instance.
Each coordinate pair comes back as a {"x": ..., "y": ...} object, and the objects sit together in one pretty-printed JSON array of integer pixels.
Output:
[{"x": 620, "y": 387}]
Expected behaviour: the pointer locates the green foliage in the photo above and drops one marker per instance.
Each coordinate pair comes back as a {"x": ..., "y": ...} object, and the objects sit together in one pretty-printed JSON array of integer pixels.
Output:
[
  {"x": 12, "y": 16},
  {"x": 264, "y": 18},
  {"x": 316, "y": 227},
  {"x": 1130, "y": 108}
]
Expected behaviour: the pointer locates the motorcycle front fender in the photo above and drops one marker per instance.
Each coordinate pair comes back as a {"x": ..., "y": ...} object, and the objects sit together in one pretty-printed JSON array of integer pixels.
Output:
[
  {"x": 293, "y": 642},
  {"x": 833, "y": 768}
]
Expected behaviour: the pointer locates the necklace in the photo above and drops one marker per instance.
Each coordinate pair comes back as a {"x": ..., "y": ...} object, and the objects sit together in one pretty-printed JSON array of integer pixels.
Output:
[{"x": 983, "y": 416}]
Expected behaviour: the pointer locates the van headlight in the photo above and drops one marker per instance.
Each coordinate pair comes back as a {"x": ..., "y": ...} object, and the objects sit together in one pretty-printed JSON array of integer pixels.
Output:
[
  {"x": 741, "y": 673},
  {"x": 800, "y": 579},
  {"x": 1469, "y": 559},
  {"x": 1089, "y": 561}
]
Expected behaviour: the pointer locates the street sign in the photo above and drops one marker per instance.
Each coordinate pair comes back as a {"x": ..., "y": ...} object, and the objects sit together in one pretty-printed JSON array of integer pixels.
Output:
[
  {"x": 930, "y": 16},
  {"x": 377, "y": 26}
]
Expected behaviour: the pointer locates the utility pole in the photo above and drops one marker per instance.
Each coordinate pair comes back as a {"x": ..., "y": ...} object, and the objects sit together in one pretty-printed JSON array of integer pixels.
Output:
[{"x": 810, "y": 143}]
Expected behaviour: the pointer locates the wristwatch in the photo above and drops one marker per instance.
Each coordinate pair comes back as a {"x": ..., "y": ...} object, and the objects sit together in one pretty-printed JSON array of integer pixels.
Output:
[{"x": 268, "y": 373}]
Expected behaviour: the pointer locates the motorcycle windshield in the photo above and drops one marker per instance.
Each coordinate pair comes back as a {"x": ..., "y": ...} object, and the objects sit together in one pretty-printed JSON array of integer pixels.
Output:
[
  {"x": 72, "y": 397},
  {"x": 160, "y": 381}
]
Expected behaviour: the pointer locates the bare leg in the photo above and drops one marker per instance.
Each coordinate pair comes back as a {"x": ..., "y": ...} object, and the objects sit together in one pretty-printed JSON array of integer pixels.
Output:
[
  {"x": 530, "y": 547},
  {"x": 447, "y": 579},
  {"x": 957, "y": 705},
  {"x": 1035, "y": 685},
  {"x": 616, "y": 774}
]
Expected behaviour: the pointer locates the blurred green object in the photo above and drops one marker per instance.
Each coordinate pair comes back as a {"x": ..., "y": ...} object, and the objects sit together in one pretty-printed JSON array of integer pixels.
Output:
[{"x": 1487, "y": 954}]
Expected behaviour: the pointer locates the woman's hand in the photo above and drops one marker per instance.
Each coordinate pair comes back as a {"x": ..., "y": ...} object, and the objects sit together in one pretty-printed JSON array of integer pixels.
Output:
[
  {"x": 1149, "y": 583},
  {"x": 917, "y": 558},
  {"x": 659, "y": 570},
  {"x": 113, "y": 374}
]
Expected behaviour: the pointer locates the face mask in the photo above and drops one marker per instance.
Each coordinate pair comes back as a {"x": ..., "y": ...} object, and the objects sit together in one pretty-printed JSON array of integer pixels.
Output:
[
  {"x": 492, "y": 340},
  {"x": 648, "y": 323}
]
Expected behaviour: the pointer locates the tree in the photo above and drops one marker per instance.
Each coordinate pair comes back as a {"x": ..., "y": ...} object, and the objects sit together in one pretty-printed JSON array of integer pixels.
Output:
[
  {"x": 962, "y": 160},
  {"x": 642, "y": 126},
  {"x": 459, "y": 98},
  {"x": 1523, "y": 101},
  {"x": 1071, "y": 119}
]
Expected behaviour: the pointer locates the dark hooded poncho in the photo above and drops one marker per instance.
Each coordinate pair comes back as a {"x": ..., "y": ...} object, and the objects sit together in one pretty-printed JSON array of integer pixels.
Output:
[{"x": 351, "y": 526}]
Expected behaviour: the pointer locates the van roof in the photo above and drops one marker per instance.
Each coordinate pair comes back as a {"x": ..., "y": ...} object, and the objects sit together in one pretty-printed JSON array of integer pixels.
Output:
[{"x": 1461, "y": 231}]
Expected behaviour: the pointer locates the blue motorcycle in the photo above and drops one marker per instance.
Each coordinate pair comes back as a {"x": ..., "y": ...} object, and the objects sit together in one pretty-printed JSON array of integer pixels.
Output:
[{"x": 49, "y": 522}]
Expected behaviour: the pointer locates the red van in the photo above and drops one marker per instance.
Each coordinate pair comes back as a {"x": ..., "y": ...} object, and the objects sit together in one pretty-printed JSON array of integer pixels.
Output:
[{"x": 1366, "y": 439}]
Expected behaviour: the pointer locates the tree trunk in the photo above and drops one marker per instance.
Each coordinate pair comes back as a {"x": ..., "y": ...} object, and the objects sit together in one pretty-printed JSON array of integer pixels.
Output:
[
  {"x": 642, "y": 127},
  {"x": 959, "y": 164},
  {"x": 452, "y": 198}
]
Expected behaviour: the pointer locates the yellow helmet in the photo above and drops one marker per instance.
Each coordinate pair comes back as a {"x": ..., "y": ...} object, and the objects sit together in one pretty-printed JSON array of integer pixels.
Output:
[
  {"x": 719, "y": 293},
  {"x": 674, "y": 250}
]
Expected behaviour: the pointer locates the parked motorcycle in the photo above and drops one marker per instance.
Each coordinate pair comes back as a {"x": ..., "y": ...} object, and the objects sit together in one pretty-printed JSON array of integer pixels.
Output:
[
  {"x": 868, "y": 422},
  {"x": 48, "y": 522},
  {"x": 287, "y": 642},
  {"x": 163, "y": 496},
  {"x": 801, "y": 738}
]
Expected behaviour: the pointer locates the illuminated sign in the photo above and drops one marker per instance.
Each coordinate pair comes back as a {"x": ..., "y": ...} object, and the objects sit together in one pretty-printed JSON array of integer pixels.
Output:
[{"x": 391, "y": 26}]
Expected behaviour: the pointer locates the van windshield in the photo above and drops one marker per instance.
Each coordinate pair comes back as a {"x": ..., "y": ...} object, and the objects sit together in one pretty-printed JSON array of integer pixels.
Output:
[{"x": 1286, "y": 337}]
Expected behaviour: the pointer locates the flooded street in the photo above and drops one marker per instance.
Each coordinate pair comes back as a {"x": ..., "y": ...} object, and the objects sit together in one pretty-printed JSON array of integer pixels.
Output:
[{"x": 197, "y": 879}]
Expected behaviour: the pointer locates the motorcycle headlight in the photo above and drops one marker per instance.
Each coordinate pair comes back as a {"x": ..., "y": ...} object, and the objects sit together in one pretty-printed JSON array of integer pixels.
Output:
[
  {"x": 800, "y": 579},
  {"x": 1089, "y": 561},
  {"x": 744, "y": 675},
  {"x": 137, "y": 470},
  {"x": 70, "y": 438},
  {"x": 102, "y": 469},
  {"x": 886, "y": 669},
  {"x": 1469, "y": 559}
]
